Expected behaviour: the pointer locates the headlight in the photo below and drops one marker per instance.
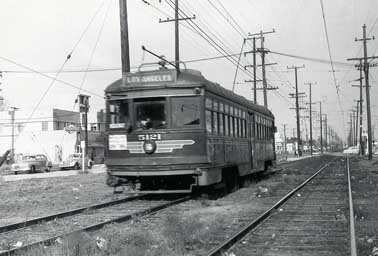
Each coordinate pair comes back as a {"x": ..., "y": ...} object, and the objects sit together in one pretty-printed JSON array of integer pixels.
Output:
[{"x": 149, "y": 146}]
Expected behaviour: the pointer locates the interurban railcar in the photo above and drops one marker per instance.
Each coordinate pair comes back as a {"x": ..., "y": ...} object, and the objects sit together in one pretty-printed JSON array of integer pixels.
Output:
[{"x": 170, "y": 132}]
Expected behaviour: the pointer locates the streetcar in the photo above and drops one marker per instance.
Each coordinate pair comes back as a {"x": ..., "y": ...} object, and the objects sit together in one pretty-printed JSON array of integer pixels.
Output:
[{"x": 171, "y": 132}]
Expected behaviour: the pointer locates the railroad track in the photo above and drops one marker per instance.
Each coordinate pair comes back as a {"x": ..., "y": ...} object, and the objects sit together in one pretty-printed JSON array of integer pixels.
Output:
[
  {"x": 49, "y": 229},
  {"x": 312, "y": 219},
  {"x": 63, "y": 214}
]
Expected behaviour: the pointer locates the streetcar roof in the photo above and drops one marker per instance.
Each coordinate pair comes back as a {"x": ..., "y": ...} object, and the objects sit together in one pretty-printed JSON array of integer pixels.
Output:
[{"x": 186, "y": 78}]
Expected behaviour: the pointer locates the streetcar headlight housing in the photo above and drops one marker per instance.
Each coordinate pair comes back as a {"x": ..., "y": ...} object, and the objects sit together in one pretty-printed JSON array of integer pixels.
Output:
[{"x": 149, "y": 146}]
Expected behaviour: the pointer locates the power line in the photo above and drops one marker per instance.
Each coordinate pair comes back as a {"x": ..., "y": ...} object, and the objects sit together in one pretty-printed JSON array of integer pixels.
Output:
[
  {"x": 329, "y": 46},
  {"x": 311, "y": 59},
  {"x": 47, "y": 76},
  {"x": 94, "y": 49},
  {"x": 208, "y": 38},
  {"x": 330, "y": 57}
]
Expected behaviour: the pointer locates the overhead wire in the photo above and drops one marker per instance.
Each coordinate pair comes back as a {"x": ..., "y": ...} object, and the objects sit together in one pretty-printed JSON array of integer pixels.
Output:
[
  {"x": 207, "y": 37},
  {"x": 90, "y": 61},
  {"x": 49, "y": 77},
  {"x": 94, "y": 48},
  {"x": 68, "y": 57},
  {"x": 330, "y": 57},
  {"x": 239, "y": 29}
]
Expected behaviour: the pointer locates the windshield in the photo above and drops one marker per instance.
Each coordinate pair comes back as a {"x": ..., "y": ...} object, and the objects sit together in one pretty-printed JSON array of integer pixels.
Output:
[
  {"x": 28, "y": 158},
  {"x": 119, "y": 114},
  {"x": 185, "y": 111},
  {"x": 150, "y": 113}
]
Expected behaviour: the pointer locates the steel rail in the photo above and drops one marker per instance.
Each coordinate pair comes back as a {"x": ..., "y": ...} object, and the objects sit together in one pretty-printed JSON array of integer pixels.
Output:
[
  {"x": 91, "y": 228},
  {"x": 353, "y": 248},
  {"x": 253, "y": 224},
  {"x": 35, "y": 221}
]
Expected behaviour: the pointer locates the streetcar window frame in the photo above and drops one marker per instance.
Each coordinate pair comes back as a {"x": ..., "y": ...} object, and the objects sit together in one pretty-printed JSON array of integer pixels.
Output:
[
  {"x": 123, "y": 121},
  {"x": 196, "y": 103},
  {"x": 164, "y": 124}
]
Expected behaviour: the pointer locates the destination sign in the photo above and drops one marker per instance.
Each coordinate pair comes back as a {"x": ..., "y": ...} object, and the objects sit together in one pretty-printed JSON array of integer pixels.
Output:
[{"x": 149, "y": 78}]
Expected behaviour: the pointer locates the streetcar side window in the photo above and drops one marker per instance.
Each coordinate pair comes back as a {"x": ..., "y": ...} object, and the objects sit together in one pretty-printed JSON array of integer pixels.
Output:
[
  {"x": 215, "y": 117},
  {"x": 150, "y": 113},
  {"x": 185, "y": 111},
  {"x": 221, "y": 119},
  {"x": 208, "y": 121},
  {"x": 227, "y": 125},
  {"x": 221, "y": 124},
  {"x": 215, "y": 122},
  {"x": 119, "y": 115}
]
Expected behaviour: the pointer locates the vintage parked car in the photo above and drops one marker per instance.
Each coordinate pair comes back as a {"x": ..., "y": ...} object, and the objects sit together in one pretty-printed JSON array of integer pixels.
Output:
[
  {"x": 31, "y": 164},
  {"x": 352, "y": 150},
  {"x": 74, "y": 161}
]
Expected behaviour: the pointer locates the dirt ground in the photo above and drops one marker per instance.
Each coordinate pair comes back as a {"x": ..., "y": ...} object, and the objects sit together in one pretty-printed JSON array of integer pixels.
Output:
[
  {"x": 192, "y": 229},
  {"x": 27, "y": 199},
  {"x": 176, "y": 232},
  {"x": 364, "y": 175}
]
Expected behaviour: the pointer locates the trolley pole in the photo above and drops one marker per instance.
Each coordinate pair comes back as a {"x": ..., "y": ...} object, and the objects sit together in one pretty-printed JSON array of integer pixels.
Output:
[{"x": 299, "y": 141}]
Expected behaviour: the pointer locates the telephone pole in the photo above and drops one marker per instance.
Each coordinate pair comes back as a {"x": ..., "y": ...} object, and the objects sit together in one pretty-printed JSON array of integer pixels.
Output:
[
  {"x": 177, "y": 33},
  {"x": 366, "y": 71},
  {"x": 12, "y": 112},
  {"x": 297, "y": 108},
  {"x": 356, "y": 122},
  {"x": 263, "y": 52},
  {"x": 326, "y": 131},
  {"x": 254, "y": 68},
  {"x": 125, "y": 53},
  {"x": 360, "y": 86},
  {"x": 351, "y": 130},
  {"x": 285, "y": 148},
  {"x": 310, "y": 104},
  {"x": 321, "y": 127}
]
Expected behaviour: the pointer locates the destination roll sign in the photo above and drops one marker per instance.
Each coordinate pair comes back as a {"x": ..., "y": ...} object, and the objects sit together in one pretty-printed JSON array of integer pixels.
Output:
[{"x": 149, "y": 78}]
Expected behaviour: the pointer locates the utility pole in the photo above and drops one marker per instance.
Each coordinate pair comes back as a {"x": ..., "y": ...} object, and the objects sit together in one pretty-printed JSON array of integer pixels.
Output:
[
  {"x": 360, "y": 86},
  {"x": 356, "y": 121},
  {"x": 285, "y": 148},
  {"x": 83, "y": 109},
  {"x": 366, "y": 71},
  {"x": 321, "y": 127},
  {"x": 12, "y": 112},
  {"x": 351, "y": 130},
  {"x": 177, "y": 33},
  {"x": 353, "y": 126},
  {"x": 326, "y": 131},
  {"x": 263, "y": 51},
  {"x": 254, "y": 68},
  {"x": 125, "y": 53},
  {"x": 362, "y": 148},
  {"x": 297, "y": 108},
  {"x": 310, "y": 103}
]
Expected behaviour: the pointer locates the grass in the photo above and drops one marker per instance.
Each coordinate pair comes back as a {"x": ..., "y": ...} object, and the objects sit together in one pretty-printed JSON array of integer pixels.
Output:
[{"x": 174, "y": 235}]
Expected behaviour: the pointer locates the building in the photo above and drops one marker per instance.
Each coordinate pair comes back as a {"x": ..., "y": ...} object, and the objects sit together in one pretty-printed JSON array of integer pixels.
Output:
[
  {"x": 55, "y": 133},
  {"x": 279, "y": 142}
]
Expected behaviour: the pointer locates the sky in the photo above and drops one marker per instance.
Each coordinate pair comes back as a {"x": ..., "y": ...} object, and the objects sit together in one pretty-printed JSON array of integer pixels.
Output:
[{"x": 38, "y": 35}]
